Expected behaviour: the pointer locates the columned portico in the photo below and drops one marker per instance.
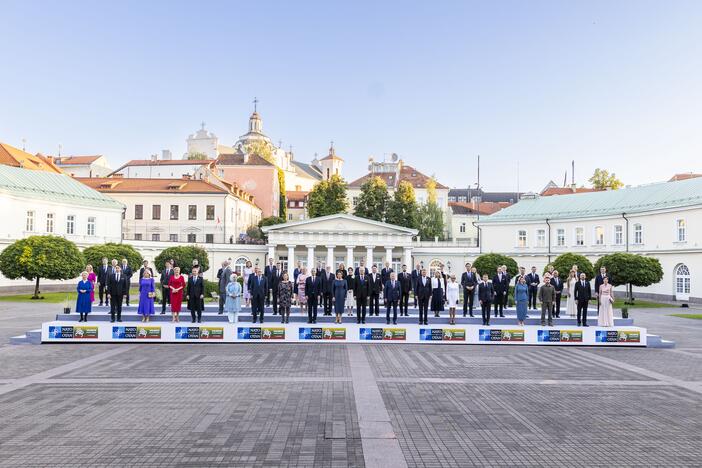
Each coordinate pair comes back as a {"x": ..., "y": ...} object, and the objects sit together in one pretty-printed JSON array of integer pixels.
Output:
[
  {"x": 291, "y": 261},
  {"x": 388, "y": 254},
  {"x": 408, "y": 258},
  {"x": 369, "y": 256},
  {"x": 330, "y": 257},
  {"x": 310, "y": 257},
  {"x": 349, "y": 256}
]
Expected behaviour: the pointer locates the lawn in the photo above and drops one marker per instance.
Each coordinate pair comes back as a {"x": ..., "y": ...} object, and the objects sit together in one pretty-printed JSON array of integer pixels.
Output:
[
  {"x": 55, "y": 297},
  {"x": 639, "y": 304},
  {"x": 688, "y": 316}
]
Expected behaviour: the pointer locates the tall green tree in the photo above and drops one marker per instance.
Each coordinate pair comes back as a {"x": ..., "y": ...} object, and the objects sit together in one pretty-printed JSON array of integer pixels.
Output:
[
  {"x": 283, "y": 204},
  {"x": 403, "y": 209},
  {"x": 602, "y": 180},
  {"x": 183, "y": 257},
  {"x": 327, "y": 197},
  {"x": 373, "y": 200},
  {"x": 564, "y": 263},
  {"x": 197, "y": 156},
  {"x": 37, "y": 257},
  {"x": 487, "y": 264},
  {"x": 632, "y": 270},
  {"x": 261, "y": 148},
  {"x": 95, "y": 253},
  {"x": 431, "y": 218}
]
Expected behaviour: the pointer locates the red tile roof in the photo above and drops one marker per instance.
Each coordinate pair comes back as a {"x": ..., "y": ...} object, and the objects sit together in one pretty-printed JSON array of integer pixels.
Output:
[
  {"x": 76, "y": 160},
  {"x": 296, "y": 195},
  {"x": 566, "y": 191},
  {"x": 407, "y": 173},
  {"x": 684, "y": 176},
  {"x": 15, "y": 157},
  {"x": 121, "y": 185}
]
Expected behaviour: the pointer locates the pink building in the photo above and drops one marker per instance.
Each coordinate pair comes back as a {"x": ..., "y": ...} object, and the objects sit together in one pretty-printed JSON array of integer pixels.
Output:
[{"x": 254, "y": 175}]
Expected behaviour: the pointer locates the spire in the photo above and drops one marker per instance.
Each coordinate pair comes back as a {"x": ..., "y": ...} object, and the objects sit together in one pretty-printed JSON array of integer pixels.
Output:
[{"x": 255, "y": 103}]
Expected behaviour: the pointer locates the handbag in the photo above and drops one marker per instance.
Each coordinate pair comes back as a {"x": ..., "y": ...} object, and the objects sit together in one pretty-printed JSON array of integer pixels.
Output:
[{"x": 152, "y": 294}]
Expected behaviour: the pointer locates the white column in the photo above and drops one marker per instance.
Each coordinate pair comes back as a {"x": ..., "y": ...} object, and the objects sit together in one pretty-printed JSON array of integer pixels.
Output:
[
  {"x": 408, "y": 258},
  {"x": 349, "y": 256},
  {"x": 310, "y": 257},
  {"x": 271, "y": 253},
  {"x": 369, "y": 256},
  {"x": 330, "y": 257},
  {"x": 388, "y": 254},
  {"x": 291, "y": 261}
]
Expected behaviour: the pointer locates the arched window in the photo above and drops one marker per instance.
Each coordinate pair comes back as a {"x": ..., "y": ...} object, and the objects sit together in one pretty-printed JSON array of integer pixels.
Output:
[
  {"x": 682, "y": 282},
  {"x": 239, "y": 265},
  {"x": 433, "y": 266}
]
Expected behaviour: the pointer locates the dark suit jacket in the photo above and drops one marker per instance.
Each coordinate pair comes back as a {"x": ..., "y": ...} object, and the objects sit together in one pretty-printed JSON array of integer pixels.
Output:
[
  {"x": 599, "y": 280},
  {"x": 377, "y": 285},
  {"x": 275, "y": 279},
  {"x": 405, "y": 279},
  {"x": 268, "y": 273},
  {"x": 117, "y": 288},
  {"x": 558, "y": 286},
  {"x": 313, "y": 288},
  {"x": 361, "y": 289},
  {"x": 196, "y": 288},
  {"x": 328, "y": 282},
  {"x": 258, "y": 288},
  {"x": 423, "y": 291},
  {"x": 165, "y": 277},
  {"x": 385, "y": 274},
  {"x": 392, "y": 293},
  {"x": 500, "y": 287},
  {"x": 583, "y": 293},
  {"x": 469, "y": 279},
  {"x": 103, "y": 275},
  {"x": 532, "y": 278},
  {"x": 486, "y": 292}
]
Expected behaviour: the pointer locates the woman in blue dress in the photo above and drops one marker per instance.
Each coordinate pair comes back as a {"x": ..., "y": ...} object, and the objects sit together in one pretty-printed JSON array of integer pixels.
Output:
[
  {"x": 340, "y": 290},
  {"x": 146, "y": 296},
  {"x": 232, "y": 304},
  {"x": 521, "y": 298},
  {"x": 83, "y": 302}
]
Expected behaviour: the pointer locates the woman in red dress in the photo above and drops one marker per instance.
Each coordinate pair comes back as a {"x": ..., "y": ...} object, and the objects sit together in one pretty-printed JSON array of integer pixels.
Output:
[{"x": 176, "y": 284}]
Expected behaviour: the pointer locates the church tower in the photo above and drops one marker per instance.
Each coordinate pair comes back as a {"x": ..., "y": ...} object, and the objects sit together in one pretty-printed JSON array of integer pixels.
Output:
[{"x": 331, "y": 164}]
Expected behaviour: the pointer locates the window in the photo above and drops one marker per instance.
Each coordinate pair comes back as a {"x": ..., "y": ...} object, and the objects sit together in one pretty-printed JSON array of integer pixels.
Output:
[
  {"x": 560, "y": 237},
  {"x": 452, "y": 198},
  {"x": 290, "y": 216},
  {"x": 521, "y": 238},
  {"x": 138, "y": 211},
  {"x": 209, "y": 213},
  {"x": 192, "y": 212},
  {"x": 239, "y": 265},
  {"x": 579, "y": 236},
  {"x": 462, "y": 199},
  {"x": 681, "y": 231},
  {"x": 682, "y": 280},
  {"x": 91, "y": 226},
  {"x": 355, "y": 201},
  {"x": 49, "y": 222},
  {"x": 30, "y": 221},
  {"x": 70, "y": 224},
  {"x": 462, "y": 228},
  {"x": 209, "y": 238},
  {"x": 137, "y": 236},
  {"x": 155, "y": 237},
  {"x": 540, "y": 237},
  {"x": 618, "y": 235},
  {"x": 327, "y": 173},
  {"x": 173, "y": 237},
  {"x": 156, "y": 212},
  {"x": 174, "y": 212},
  {"x": 192, "y": 238},
  {"x": 599, "y": 235},
  {"x": 638, "y": 234}
]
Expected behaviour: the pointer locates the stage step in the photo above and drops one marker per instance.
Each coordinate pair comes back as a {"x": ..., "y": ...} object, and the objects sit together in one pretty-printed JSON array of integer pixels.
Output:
[
  {"x": 30, "y": 337},
  {"x": 656, "y": 341}
]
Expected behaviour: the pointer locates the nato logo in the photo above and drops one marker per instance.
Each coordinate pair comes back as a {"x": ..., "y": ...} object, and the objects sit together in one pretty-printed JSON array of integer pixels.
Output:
[
  {"x": 243, "y": 333},
  {"x": 306, "y": 333},
  {"x": 544, "y": 335},
  {"x": 55, "y": 332},
  {"x": 181, "y": 333},
  {"x": 118, "y": 333},
  {"x": 365, "y": 334},
  {"x": 484, "y": 334}
]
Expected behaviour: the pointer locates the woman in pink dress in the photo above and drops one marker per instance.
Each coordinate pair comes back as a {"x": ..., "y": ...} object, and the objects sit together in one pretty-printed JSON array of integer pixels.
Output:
[
  {"x": 301, "y": 298},
  {"x": 605, "y": 317},
  {"x": 92, "y": 277}
]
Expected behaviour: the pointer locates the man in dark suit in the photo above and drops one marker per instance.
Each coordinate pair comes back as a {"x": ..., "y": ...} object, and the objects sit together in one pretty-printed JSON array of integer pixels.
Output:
[
  {"x": 116, "y": 289},
  {"x": 268, "y": 273},
  {"x": 196, "y": 294},
  {"x": 376, "y": 285},
  {"x": 166, "y": 274},
  {"x": 500, "y": 286},
  {"x": 223, "y": 276},
  {"x": 274, "y": 281},
  {"x": 405, "y": 280},
  {"x": 505, "y": 298},
  {"x": 328, "y": 278},
  {"x": 599, "y": 279},
  {"x": 416, "y": 273},
  {"x": 558, "y": 286},
  {"x": 532, "y": 279},
  {"x": 296, "y": 273},
  {"x": 583, "y": 294},
  {"x": 361, "y": 290},
  {"x": 127, "y": 272},
  {"x": 258, "y": 288},
  {"x": 103, "y": 277},
  {"x": 362, "y": 266},
  {"x": 313, "y": 288},
  {"x": 423, "y": 295},
  {"x": 146, "y": 266},
  {"x": 393, "y": 291},
  {"x": 468, "y": 283},
  {"x": 385, "y": 273},
  {"x": 486, "y": 294}
]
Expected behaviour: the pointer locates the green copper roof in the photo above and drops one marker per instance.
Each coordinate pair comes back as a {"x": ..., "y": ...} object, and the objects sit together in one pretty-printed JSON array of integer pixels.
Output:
[
  {"x": 659, "y": 196},
  {"x": 49, "y": 186}
]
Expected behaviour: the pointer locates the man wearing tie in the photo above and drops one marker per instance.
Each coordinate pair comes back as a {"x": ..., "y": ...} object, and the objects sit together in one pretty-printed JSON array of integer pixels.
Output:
[
  {"x": 532, "y": 279},
  {"x": 486, "y": 294},
  {"x": 258, "y": 288},
  {"x": 405, "y": 286},
  {"x": 165, "y": 289},
  {"x": 362, "y": 266},
  {"x": 599, "y": 279},
  {"x": 361, "y": 290},
  {"x": 327, "y": 289},
  {"x": 558, "y": 286},
  {"x": 196, "y": 293},
  {"x": 127, "y": 273},
  {"x": 505, "y": 298},
  {"x": 313, "y": 288},
  {"x": 500, "y": 286},
  {"x": 583, "y": 294},
  {"x": 223, "y": 275},
  {"x": 385, "y": 273},
  {"x": 146, "y": 267},
  {"x": 468, "y": 282},
  {"x": 276, "y": 277},
  {"x": 376, "y": 285},
  {"x": 268, "y": 273},
  {"x": 416, "y": 274},
  {"x": 103, "y": 278},
  {"x": 423, "y": 296},
  {"x": 117, "y": 286},
  {"x": 393, "y": 291}
]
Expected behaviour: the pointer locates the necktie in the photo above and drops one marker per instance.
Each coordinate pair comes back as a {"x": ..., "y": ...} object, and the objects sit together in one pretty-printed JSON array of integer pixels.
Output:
[{"x": 118, "y": 278}]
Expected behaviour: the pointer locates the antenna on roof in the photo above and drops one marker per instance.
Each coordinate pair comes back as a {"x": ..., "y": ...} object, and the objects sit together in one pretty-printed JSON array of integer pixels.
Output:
[
  {"x": 565, "y": 178},
  {"x": 24, "y": 144},
  {"x": 60, "y": 148},
  {"x": 573, "y": 171}
]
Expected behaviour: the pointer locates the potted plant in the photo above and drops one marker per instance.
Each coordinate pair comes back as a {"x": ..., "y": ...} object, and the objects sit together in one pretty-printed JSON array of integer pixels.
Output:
[
  {"x": 625, "y": 312},
  {"x": 66, "y": 307}
]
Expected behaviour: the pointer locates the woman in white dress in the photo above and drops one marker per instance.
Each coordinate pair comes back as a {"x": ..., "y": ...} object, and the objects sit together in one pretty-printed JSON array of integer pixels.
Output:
[
  {"x": 350, "y": 300},
  {"x": 248, "y": 270},
  {"x": 301, "y": 297},
  {"x": 452, "y": 298},
  {"x": 571, "y": 306},
  {"x": 605, "y": 317}
]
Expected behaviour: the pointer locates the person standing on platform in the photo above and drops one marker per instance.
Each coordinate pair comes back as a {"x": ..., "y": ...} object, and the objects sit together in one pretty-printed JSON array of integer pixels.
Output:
[
  {"x": 501, "y": 287},
  {"x": 486, "y": 294},
  {"x": 328, "y": 279},
  {"x": 362, "y": 266},
  {"x": 301, "y": 296},
  {"x": 196, "y": 293},
  {"x": 452, "y": 293},
  {"x": 405, "y": 280},
  {"x": 416, "y": 274},
  {"x": 424, "y": 291},
  {"x": 296, "y": 273},
  {"x": 533, "y": 282},
  {"x": 92, "y": 277},
  {"x": 583, "y": 294},
  {"x": 103, "y": 277},
  {"x": 342, "y": 270},
  {"x": 376, "y": 286},
  {"x": 505, "y": 297},
  {"x": 116, "y": 288},
  {"x": 165, "y": 279},
  {"x": 350, "y": 285},
  {"x": 83, "y": 302},
  {"x": 385, "y": 273},
  {"x": 313, "y": 288},
  {"x": 599, "y": 280},
  {"x": 233, "y": 303},
  {"x": 361, "y": 291},
  {"x": 283, "y": 294},
  {"x": 176, "y": 285},
  {"x": 127, "y": 272},
  {"x": 547, "y": 295},
  {"x": 339, "y": 292},
  {"x": 268, "y": 273},
  {"x": 276, "y": 278},
  {"x": 437, "y": 293},
  {"x": 223, "y": 278},
  {"x": 147, "y": 293},
  {"x": 558, "y": 286},
  {"x": 393, "y": 293},
  {"x": 468, "y": 283},
  {"x": 571, "y": 307},
  {"x": 248, "y": 271},
  {"x": 258, "y": 287},
  {"x": 605, "y": 317},
  {"x": 522, "y": 273},
  {"x": 145, "y": 267},
  {"x": 521, "y": 299}
]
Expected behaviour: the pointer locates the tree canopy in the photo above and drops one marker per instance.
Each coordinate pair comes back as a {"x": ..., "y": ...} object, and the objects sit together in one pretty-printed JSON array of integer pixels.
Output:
[
  {"x": 488, "y": 263},
  {"x": 631, "y": 269},
  {"x": 431, "y": 218},
  {"x": 403, "y": 209},
  {"x": 95, "y": 253},
  {"x": 564, "y": 263},
  {"x": 197, "y": 156},
  {"x": 373, "y": 200},
  {"x": 183, "y": 257},
  {"x": 282, "y": 203},
  {"x": 602, "y": 180},
  {"x": 261, "y": 148},
  {"x": 37, "y": 257},
  {"x": 327, "y": 197}
]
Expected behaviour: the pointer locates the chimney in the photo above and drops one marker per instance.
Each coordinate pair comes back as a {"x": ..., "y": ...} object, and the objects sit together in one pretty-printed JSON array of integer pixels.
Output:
[
  {"x": 154, "y": 157},
  {"x": 166, "y": 155}
]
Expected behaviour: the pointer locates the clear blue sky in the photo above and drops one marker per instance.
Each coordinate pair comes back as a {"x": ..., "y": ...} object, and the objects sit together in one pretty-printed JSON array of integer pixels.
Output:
[{"x": 613, "y": 84}]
